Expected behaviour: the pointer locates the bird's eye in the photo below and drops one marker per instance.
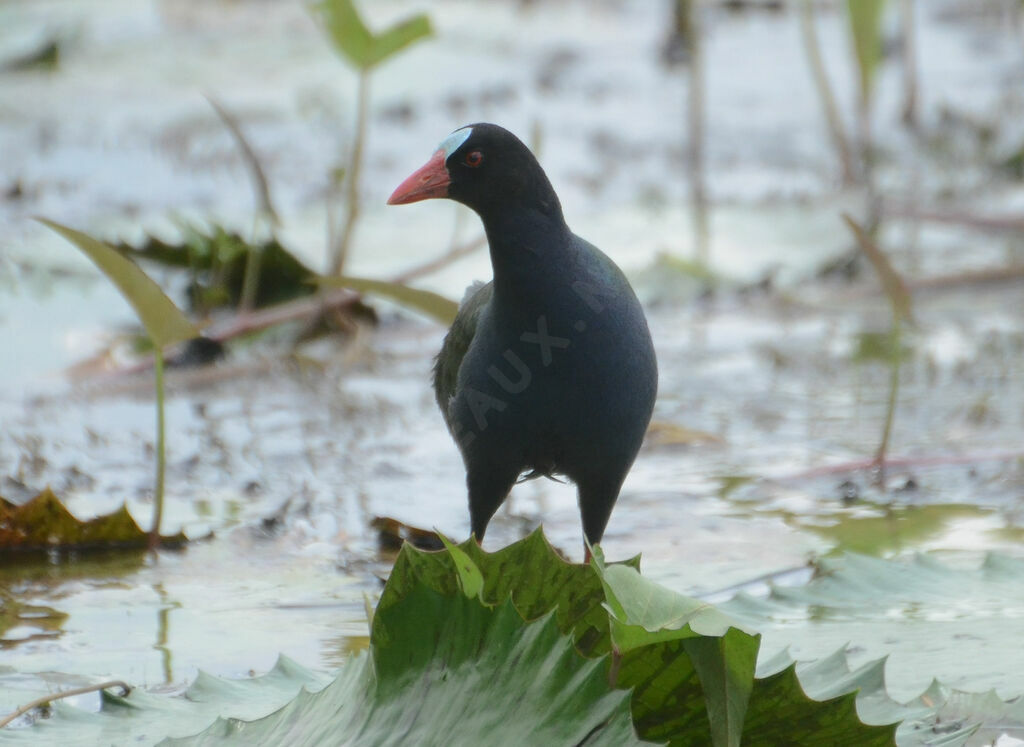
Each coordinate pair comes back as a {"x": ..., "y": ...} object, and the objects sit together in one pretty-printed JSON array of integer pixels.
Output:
[{"x": 474, "y": 158}]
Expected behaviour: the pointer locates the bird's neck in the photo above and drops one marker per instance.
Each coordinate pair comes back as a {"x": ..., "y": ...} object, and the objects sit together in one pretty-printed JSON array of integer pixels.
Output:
[{"x": 528, "y": 247}]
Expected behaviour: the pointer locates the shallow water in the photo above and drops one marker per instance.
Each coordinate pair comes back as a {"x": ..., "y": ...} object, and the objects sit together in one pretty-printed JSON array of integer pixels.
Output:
[{"x": 286, "y": 458}]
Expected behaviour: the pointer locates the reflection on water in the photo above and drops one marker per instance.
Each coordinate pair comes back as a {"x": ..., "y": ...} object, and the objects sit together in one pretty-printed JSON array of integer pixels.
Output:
[{"x": 162, "y": 635}]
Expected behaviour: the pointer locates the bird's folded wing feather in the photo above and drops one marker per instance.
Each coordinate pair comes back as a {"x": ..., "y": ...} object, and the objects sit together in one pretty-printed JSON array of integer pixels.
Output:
[{"x": 456, "y": 343}]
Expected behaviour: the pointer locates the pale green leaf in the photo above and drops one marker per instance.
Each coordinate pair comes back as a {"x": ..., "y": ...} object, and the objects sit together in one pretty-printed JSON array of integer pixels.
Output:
[
  {"x": 866, "y": 28},
  {"x": 722, "y": 655},
  {"x": 471, "y": 581},
  {"x": 358, "y": 43},
  {"x": 426, "y": 302},
  {"x": 164, "y": 322}
]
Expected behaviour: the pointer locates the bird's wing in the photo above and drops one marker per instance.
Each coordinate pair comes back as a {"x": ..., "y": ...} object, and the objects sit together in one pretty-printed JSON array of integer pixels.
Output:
[{"x": 456, "y": 343}]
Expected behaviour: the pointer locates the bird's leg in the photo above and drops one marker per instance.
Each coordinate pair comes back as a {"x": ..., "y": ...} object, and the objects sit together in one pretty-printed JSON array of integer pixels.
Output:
[
  {"x": 488, "y": 488},
  {"x": 597, "y": 494}
]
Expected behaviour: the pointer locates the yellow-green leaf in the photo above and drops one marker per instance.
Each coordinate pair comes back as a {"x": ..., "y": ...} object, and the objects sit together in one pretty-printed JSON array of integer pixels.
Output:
[
  {"x": 866, "y": 27},
  {"x": 893, "y": 285},
  {"x": 164, "y": 322},
  {"x": 440, "y": 308},
  {"x": 358, "y": 44},
  {"x": 44, "y": 523},
  {"x": 471, "y": 580}
]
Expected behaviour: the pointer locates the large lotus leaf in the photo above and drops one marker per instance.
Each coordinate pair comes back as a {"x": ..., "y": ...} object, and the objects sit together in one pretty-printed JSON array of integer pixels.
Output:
[
  {"x": 985, "y": 716},
  {"x": 777, "y": 715},
  {"x": 44, "y": 524},
  {"x": 143, "y": 718},
  {"x": 700, "y": 638},
  {"x": 529, "y": 571},
  {"x": 960, "y": 624},
  {"x": 454, "y": 672},
  {"x": 954, "y": 623},
  {"x": 443, "y": 668},
  {"x": 668, "y": 702}
]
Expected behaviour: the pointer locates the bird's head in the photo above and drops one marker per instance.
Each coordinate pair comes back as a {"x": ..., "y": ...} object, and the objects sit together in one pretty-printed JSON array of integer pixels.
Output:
[{"x": 486, "y": 168}]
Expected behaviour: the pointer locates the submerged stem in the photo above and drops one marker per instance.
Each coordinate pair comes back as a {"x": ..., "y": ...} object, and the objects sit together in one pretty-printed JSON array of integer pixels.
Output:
[
  {"x": 910, "y": 118},
  {"x": 894, "y": 391},
  {"x": 47, "y": 699},
  {"x": 340, "y": 253},
  {"x": 824, "y": 89},
  {"x": 251, "y": 278},
  {"x": 161, "y": 462},
  {"x": 698, "y": 188}
]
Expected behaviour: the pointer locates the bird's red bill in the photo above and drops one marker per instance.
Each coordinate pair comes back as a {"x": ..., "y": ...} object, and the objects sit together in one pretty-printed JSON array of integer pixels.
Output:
[{"x": 430, "y": 180}]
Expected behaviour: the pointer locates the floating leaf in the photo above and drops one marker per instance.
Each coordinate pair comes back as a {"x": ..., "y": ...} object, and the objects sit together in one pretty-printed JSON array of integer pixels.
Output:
[
  {"x": 44, "y": 524},
  {"x": 164, "y": 322},
  {"x": 951, "y": 622},
  {"x": 358, "y": 44},
  {"x": 809, "y": 721},
  {"x": 890, "y": 529},
  {"x": 444, "y": 664},
  {"x": 426, "y": 302},
  {"x": 143, "y": 718},
  {"x": 669, "y": 702},
  {"x": 723, "y": 656}
]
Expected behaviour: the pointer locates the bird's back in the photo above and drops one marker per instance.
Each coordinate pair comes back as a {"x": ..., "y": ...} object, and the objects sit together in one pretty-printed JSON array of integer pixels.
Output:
[{"x": 563, "y": 372}]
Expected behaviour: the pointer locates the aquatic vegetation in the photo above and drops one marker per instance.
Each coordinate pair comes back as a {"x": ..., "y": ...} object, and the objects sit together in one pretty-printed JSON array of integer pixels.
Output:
[{"x": 165, "y": 324}]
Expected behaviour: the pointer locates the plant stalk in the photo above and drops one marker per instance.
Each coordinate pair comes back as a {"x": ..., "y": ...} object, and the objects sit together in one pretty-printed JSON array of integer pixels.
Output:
[
  {"x": 161, "y": 461},
  {"x": 910, "y": 117},
  {"x": 251, "y": 278},
  {"x": 824, "y": 89},
  {"x": 894, "y": 393},
  {"x": 695, "y": 121},
  {"x": 47, "y": 699},
  {"x": 340, "y": 253}
]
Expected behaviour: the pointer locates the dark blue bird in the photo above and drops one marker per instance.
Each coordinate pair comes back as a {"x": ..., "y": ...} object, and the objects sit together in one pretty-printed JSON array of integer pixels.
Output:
[{"x": 548, "y": 369}]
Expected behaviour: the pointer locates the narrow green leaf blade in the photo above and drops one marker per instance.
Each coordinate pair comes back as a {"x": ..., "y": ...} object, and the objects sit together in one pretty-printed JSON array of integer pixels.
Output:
[
  {"x": 892, "y": 284},
  {"x": 358, "y": 43},
  {"x": 470, "y": 578},
  {"x": 164, "y": 322},
  {"x": 866, "y": 27},
  {"x": 427, "y": 302},
  {"x": 400, "y": 36},
  {"x": 350, "y": 35}
]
